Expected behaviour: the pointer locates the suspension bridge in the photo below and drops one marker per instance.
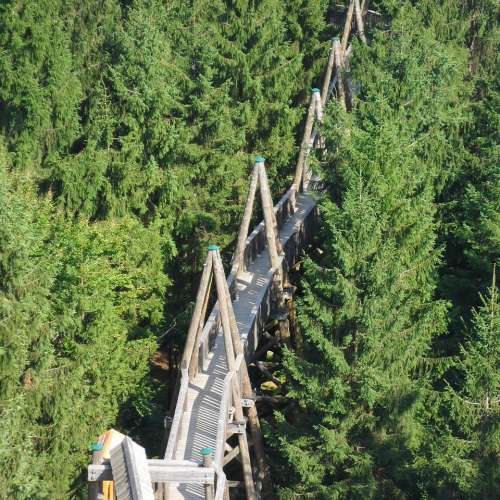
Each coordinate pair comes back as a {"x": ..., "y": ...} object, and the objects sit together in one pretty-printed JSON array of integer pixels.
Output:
[{"x": 215, "y": 402}]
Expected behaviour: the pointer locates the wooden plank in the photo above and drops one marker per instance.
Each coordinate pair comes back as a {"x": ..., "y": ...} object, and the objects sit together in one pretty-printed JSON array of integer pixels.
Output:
[
  {"x": 221, "y": 428},
  {"x": 236, "y": 427},
  {"x": 131, "y": 472},
  {"x": 176, "y": 421},
  {"x": 221, "y": 485}
]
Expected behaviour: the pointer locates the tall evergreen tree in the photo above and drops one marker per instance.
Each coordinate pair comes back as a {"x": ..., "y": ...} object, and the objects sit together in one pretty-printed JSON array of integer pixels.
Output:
[
  {"x": 461, "y": 459},
  {"x": 368, "y": 310}
]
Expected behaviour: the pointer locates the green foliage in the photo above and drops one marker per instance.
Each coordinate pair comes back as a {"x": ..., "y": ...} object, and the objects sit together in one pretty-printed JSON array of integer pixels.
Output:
[
  {"x": 471, "y": 216},
  {"x": 78, "y": 305},
  {"x": 127, "y": 130},
  {"x": 371, "y": 420},
  {"x": 463, "y": 454}
]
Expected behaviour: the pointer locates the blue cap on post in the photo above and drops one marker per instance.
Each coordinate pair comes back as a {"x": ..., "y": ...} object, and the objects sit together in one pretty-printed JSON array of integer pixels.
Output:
[
  {"x": 314, "y": 90},
  {"x": 96, "y": 447},
  {"x": 206, "y": 451},
  {"x": 259, "y": 159},
  {"x": 335, "y": 39},
  {"x": 213, "y": 248}
]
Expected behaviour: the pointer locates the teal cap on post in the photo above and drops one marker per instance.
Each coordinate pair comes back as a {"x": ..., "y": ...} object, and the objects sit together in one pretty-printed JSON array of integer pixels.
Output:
[
  {"x": 335, "y": 39},
  {"x": 314, "y": 90},
  {"x": 96, "y": 447},
  {"x": 206, "y": 451},
  {"x": 213, "y": 248},
  {"x": 259, "y": 159}
]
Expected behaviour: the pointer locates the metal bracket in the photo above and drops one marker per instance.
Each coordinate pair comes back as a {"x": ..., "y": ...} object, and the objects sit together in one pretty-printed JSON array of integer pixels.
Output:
[{"x": 247, "y": 402}]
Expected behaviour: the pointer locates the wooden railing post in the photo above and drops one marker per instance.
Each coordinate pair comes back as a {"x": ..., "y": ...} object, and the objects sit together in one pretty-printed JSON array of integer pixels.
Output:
[
  {"x": 206, "y": 453},
  {"x": 94, "y": 491},
  {"x": 319, "y": 142},
  {"x": 318, "y": 108}
]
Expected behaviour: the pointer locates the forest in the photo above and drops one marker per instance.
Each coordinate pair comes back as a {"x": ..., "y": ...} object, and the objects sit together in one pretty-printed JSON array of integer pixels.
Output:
[{"x": 128, "y": 131}]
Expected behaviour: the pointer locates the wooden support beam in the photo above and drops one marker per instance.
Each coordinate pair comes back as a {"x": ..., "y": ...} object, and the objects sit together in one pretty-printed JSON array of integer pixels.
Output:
[
  {"x": 359, "y": 21},
  {"x": 347, "y": 28},
  {"x": 234, "y": 453},
  {"x": 207, "y": 464},
  {"x": 318, "y": 108},
  {"x": 274, "y": 246},
  {"x": 93, "y": 486},
  {"x": 265, "y": 192},
  {"x": 328, "y": 75},
  {"x": 239, "y": 255},
  {"x": 318, "y": 111},
  {"x": 267, "y": 207},
  {"x": 304, "y": 148},
  {"x": 196, "y": 317},
  {"x": 224, "y": 304},
  {"x": 340, "y": 76},
  {"x": 201, "y": 323},
  {"x": 264, "y": 475},
  {"x": 237, "y": 427},
  {"x": 159, "y": 473}
]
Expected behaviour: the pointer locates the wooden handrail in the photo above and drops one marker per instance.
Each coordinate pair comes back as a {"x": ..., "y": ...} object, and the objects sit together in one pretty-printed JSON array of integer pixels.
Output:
[{"x": 179, "y": 410}]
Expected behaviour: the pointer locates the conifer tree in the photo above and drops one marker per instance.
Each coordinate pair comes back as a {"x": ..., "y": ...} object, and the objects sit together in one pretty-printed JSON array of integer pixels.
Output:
[
  {"x": 77, "y": 308},
  {"x": 368, "y": 311}
]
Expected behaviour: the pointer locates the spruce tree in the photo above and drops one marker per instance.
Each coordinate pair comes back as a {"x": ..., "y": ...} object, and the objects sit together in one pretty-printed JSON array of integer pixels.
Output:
[{"x": 368, "y": 311}]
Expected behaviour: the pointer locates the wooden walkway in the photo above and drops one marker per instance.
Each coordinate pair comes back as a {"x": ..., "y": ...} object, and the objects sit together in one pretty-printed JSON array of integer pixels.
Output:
[
  {"x": 201, "y": 415},
  {"x": 214, "y": 400}
]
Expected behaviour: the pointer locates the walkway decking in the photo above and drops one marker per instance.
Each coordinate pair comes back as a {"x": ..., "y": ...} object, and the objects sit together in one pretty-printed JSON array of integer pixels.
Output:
[{"x": 204, "y": 394}]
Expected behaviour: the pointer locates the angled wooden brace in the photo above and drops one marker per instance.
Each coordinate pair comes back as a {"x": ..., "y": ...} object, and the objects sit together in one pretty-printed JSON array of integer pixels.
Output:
[
  {"x": 226, "y": 309},
  {"x": 257, "y": 180},
  {"x": 339, "y": 65},
  {"x": 359, "y": 21},
  {"x": 271, "y": 227},
  {"x": 347, "y": 27},
  {"x": 190, "y": 354},
  {"x": 239, "y": 255},
  {"x": 275, "y": 251},
  {"x": 267, "y": 201},
  {"x": 304, "y": 148},
  {"x": 264, "y": 476},
  {"x": 328, "y": 75}
]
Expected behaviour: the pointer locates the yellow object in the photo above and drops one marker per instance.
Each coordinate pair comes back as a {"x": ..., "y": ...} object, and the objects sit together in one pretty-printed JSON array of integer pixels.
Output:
[{"x": 109, "y": 440}]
